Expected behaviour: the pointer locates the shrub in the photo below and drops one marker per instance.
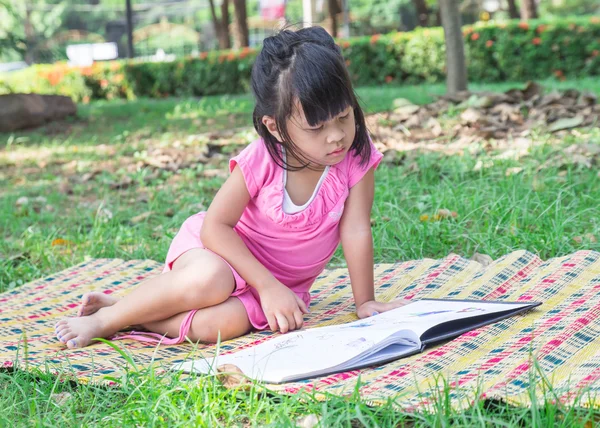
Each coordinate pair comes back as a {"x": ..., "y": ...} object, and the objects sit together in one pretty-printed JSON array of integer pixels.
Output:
[{"x": 495, "y": 52}]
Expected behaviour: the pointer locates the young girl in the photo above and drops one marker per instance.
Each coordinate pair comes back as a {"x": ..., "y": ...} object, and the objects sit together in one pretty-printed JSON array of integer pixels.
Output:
[{"x": 293, "y": 194}]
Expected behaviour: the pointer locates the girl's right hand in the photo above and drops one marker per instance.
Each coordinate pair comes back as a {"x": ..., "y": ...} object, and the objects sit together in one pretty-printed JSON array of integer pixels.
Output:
[{"x": 283, "y": 308}]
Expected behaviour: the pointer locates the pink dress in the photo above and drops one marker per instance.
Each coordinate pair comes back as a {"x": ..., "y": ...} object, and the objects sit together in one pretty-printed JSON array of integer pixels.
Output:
[{"x": 294, "y": 247}]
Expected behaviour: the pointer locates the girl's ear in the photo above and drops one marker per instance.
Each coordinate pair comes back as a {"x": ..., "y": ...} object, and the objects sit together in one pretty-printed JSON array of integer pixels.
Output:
[{"x": 271, "y": 126}]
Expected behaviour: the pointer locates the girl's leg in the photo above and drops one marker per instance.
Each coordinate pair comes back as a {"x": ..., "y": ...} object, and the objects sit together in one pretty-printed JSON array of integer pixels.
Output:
[
  {"x": 228, "y": 318},
  {"x": 199, "y": 279}
]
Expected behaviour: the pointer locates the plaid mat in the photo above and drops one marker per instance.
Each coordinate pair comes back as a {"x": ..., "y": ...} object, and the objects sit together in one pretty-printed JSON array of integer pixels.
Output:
[{"x": 556, "y": 345}]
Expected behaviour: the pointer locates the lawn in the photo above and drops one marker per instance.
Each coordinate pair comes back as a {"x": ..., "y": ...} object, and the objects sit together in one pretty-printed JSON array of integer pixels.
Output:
[{"x": 85, "y": 188}]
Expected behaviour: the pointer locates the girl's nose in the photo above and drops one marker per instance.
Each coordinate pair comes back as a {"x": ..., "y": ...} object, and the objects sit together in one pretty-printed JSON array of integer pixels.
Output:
[{"x": 335, "y": 135}]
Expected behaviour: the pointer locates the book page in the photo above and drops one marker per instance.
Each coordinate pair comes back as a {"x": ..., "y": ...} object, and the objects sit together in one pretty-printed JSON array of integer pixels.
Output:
[
  {"x": 421, "y": 315},
  {"x": 315, "y": 350},
  {"x": 308, "y": 351}
]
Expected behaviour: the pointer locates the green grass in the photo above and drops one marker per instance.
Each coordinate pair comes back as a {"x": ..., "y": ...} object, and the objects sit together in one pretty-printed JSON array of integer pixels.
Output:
[{"x": 541, "y": 211}]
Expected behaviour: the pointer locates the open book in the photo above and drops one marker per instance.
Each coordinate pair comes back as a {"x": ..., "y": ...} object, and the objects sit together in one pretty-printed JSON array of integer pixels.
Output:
[{"x": 381, "y": 338}]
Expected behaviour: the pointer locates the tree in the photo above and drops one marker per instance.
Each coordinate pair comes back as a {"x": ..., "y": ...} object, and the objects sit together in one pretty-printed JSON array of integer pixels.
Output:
[
  {"x": 422, "y": 12},
  {"x": 528, "y": 10},
  {"x": 334, "y": 9},
  {"x": 23, "y": 26},
  {"x": 513, "y": 12},
  {"x": 221, "y": 24},
  {"x": 241, "y": 35},
  {"x": 456, "y": 78}
]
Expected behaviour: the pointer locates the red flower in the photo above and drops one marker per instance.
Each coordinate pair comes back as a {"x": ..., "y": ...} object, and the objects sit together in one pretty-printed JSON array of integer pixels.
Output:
[
  {"x": 87, "y": 71},
  {"x": 348, "y": 62},
  {"x": 595, "y": 52},
  {"x": 103, "y": 83},
  {"x": 523, "y": 25},
  {"x": 489, "y": 44},
  {"x": 245, "y": 52},
  {"x": 203, "y": 55},
  {"x": 375, "y": 38},
  {"x": 536, "y": 41},
  {"x": 475, "y": 36},
  {"x": 345, "y": 44},
  {"x": 558, "y": 73},
  {"x": 541, "y": 28},
  {"x": 388, "y": 79}
]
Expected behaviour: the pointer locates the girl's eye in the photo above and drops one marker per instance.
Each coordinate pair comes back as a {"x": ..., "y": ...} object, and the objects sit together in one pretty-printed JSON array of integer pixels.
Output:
[
  {"x": 316, "y": 129},
  {"x": 345, "y": 116}
]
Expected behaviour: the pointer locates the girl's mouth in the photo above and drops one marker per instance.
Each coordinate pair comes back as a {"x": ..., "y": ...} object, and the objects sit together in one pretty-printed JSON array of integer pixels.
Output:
[{"x": 337, "y": 152}]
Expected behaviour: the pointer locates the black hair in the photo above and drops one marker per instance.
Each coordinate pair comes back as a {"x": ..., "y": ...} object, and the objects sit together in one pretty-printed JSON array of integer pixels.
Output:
[{"x": 304, "y": 65}]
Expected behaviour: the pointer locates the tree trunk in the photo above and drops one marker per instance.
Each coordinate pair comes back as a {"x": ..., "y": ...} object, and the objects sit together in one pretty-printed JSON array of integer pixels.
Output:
[
  {"x": 29, "y": 36},
  {"x": 456, "y": 79},
  {"x": 422, "y": 12},
  {"x": 225, "y": 41},
  {"x": 241, "y": 35},
  {"x": 334, "y": 10},
  {"x": 221, "y": 25},
  {"x": 528, "y": 10},
  {"x": 513, "y": 12},
  {"x": 130, "y": 51}
]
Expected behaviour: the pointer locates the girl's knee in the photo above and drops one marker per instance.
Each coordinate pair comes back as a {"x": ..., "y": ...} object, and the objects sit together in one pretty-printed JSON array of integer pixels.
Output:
[
  {"x": 220, "y": 323},
  {"x": 204, "y": 281}
]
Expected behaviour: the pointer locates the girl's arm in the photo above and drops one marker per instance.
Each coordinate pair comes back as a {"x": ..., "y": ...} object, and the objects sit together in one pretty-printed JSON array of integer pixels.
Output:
[
  {"x": 357, "y": 242},
  {"x": 282, "y": 307}
]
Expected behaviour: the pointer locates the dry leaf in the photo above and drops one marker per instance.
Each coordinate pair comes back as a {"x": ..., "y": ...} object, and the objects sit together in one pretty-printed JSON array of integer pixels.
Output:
[
  {"x": 140, "y": 218},
  {"x": 89, "y": 175},
  {"x": 308, "y": 421},
  {"x": 566, "y": 123},
  {"x": 23, "y": 200},
  {"x": 513, "y": 171},
  {"x": 61, "y": 398},
  {"x": 62, "y": 242},
  {"x": 482, "y": 259},
  {"x": 445, "y": 213},
  {"x": 590, "y": 237},
  {"x": 104, "y": 214},
  {"x": 232, "y": 377}
]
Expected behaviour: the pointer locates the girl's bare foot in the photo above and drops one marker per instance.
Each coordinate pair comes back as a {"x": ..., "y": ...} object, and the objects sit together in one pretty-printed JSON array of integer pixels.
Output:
[
  {"x": 91, "y": 302},
  {"x": 79, "y": 332}
]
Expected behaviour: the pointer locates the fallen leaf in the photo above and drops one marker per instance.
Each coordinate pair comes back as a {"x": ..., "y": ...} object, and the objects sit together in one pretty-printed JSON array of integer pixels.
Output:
[
  {"x": 471, "y": 116},
  {"x": 61, "y": 398},
  {"x": 445, "y": 213},
  {"x": 424, "y": 217},
  {"x": 140, "y": 218},
  {"x": 62, "y": 242},
  {"x": 104, "y": 214},
  {"x": 590, "y": 237},
  {"x": 482, "y": 259},
  {"x": 566, "y": 123},
  {"x": 308, "y": 421},
  {"x": 513, "y": 171},
  {"x": 23, "y": 200},
  {"x": 89, "y": 175},
  {"x": 232, "y": 377}
]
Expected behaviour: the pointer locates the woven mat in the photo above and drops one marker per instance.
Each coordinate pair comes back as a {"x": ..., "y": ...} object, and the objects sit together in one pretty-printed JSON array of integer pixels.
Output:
[{"x": 557, "y": 344}]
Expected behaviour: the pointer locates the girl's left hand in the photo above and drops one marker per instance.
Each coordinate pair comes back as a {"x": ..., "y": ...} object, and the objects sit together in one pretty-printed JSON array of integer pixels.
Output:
[{"x": 372, "y": 307}]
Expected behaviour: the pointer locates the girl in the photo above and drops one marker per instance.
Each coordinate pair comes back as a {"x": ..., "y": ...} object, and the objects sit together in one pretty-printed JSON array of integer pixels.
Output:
[{"x": 293, "y": 194}]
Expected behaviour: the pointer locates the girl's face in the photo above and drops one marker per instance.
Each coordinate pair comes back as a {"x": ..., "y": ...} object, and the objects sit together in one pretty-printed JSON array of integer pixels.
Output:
[{"x": 325, "y": 144}]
